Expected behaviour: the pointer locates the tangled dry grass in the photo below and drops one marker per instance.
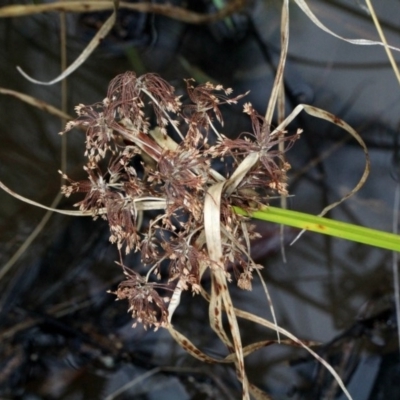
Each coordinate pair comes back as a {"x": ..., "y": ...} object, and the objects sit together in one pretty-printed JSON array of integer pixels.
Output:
[
  {"x": 169, "y": 168},
  {"x": 133, "y": 167}
]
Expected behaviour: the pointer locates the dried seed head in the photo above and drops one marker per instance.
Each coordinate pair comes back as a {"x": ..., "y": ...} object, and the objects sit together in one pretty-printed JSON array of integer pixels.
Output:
[
  {"x": 145, "y": 304},
  {"x": 157, "y": 173}
]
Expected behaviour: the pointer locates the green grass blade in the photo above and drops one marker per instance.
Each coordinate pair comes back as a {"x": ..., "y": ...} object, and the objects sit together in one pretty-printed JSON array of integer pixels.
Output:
[{"x": 326, "y": 226}]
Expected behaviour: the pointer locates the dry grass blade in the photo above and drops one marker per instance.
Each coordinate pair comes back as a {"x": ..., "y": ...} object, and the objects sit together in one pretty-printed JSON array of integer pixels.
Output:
[
  {"x": 363, "y": 42},
  {"x": 294, "y": 340},
  {"x": 64, "y": 118},
  {"x": 258, "y": 394},
  {"x": 175, "y": 300},
  {"x": 188, "y": 346},
  {"x": 270, "y": 325},
  {"x": 281, "y": 66},
  {"x": 383, "y": 38},
  {"x": 212, "y": 229},
  {"x": 100, "y": 35},
  {"x": 322, "y": 114},
  {"x": 141, "y": 204},
  {"x": 247, "y": 253},
  {"x": 42, "y": 105},
  {"x": 271, "y": 306},
  {"x": 240, "y": 172},
  {"x": 29, "y": 240},
  {"x": 168, "y": 10},
  {"x": 164, "y": 141},
  {"x": 133, "y": 382},
  {"x": 251, "y": 348},
  {"x": 36, "y": 204},
  {"x": 220, "y": 297}
]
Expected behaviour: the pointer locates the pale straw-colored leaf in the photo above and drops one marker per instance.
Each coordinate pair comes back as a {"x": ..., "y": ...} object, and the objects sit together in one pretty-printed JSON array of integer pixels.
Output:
[
  {"x": 240, "y": 172},
  {"x": 220, "y": 298},
  {"x": 212, "y": 229},
  {"x": 149, "y": 203},
  {"x": 212, "y": 226},
  {"x": 100, "y": 35},
  {"x": 163, "y": 140},
  {"x": 281, "y": 147},
  {"x": 194, "y": 351},
  {"x": 325, "y": 115},
  {"x": 284, "y": 332},
  {"x": 322, "y": 114},
  {"x": 167, "y": 143},
  {"x": 295, "y": 341},
  {"x": 251, "y": 348},
  {"x": 36, "y": 204},
  {"x": 141, "y": 204},
  {"x": 188, "y": 346},
  {"x": 42, "y": 105},
  {"x": 258, "y": 394},
  {"x": 363, "y": 42},
  {"x": 175, "y": 300},
  {"x": 281, "y": 66},
  {"x": 247, "y": 253},
  {"x": 29, "y": 240},
  {"x": 383, "y": 38},
  {"x": 271, "y": 305}
]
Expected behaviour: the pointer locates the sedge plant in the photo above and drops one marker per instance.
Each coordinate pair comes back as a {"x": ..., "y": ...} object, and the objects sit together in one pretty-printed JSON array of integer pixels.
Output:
[{"x": 200, "y": 215}]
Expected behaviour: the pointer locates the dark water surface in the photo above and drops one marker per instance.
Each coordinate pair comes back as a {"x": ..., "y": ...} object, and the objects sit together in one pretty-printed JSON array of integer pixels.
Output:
[{"x": 63, "y": 337}]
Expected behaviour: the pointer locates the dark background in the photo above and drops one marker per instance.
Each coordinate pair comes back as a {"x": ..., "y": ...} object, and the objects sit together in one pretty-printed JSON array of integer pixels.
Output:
[{"x": 63, "y": 337}]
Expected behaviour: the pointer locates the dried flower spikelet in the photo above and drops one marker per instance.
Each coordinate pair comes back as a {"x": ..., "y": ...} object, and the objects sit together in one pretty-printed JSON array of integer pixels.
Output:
[
  {"x": 121, "y": 216},
  {"x": 279, "y": 187},
  {"x": 244, "y": 281},
  {"x": 145, "y": 304},
  {"x": 185, "y": 260},
  {"x": 206, "y": 103}
]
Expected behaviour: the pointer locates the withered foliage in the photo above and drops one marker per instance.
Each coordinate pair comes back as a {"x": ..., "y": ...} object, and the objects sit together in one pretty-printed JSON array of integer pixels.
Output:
[
  {"x": 147, "y": 170},
  {"x": 145, "y": 303}
]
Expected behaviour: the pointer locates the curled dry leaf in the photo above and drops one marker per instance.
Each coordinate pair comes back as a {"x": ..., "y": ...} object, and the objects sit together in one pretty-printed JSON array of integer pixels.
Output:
[{"x": 100, "y": 35}]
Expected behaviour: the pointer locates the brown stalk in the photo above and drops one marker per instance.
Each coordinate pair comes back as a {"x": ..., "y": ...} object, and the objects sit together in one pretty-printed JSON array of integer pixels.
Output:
[{"x": 168, "y": 10}]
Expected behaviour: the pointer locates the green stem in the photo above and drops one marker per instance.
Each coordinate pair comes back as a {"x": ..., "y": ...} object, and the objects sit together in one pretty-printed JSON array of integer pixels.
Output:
[{"x": 326, "y": 226}]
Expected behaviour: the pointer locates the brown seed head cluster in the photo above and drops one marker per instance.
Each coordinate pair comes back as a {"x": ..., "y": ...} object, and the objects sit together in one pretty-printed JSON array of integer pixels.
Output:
[{"x": 134, "y": 167}]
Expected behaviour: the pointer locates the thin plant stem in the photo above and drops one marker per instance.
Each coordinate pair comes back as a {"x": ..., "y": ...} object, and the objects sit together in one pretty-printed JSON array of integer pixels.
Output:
[
  {"x": 132, "y": 383},
  {"x": 326, "y": 226},
  {"x": 64, "y": 98},
  {"x": 165, "y": 113},
  {"x": 28, "y": 241},
  {"x": 213, "y": 128},
  {"x": 384, "y": 41},
  {"x": 64, "y": 90},
  {"x": 395, "y": 259}
]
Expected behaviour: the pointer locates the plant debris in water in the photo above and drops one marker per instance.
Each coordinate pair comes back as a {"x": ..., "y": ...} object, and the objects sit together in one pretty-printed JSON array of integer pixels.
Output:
[{"x": 133, "y": 166}]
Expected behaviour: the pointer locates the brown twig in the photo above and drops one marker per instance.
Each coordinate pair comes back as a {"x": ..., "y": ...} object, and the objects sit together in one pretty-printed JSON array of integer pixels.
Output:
[{"x": 168, "y": 10}]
